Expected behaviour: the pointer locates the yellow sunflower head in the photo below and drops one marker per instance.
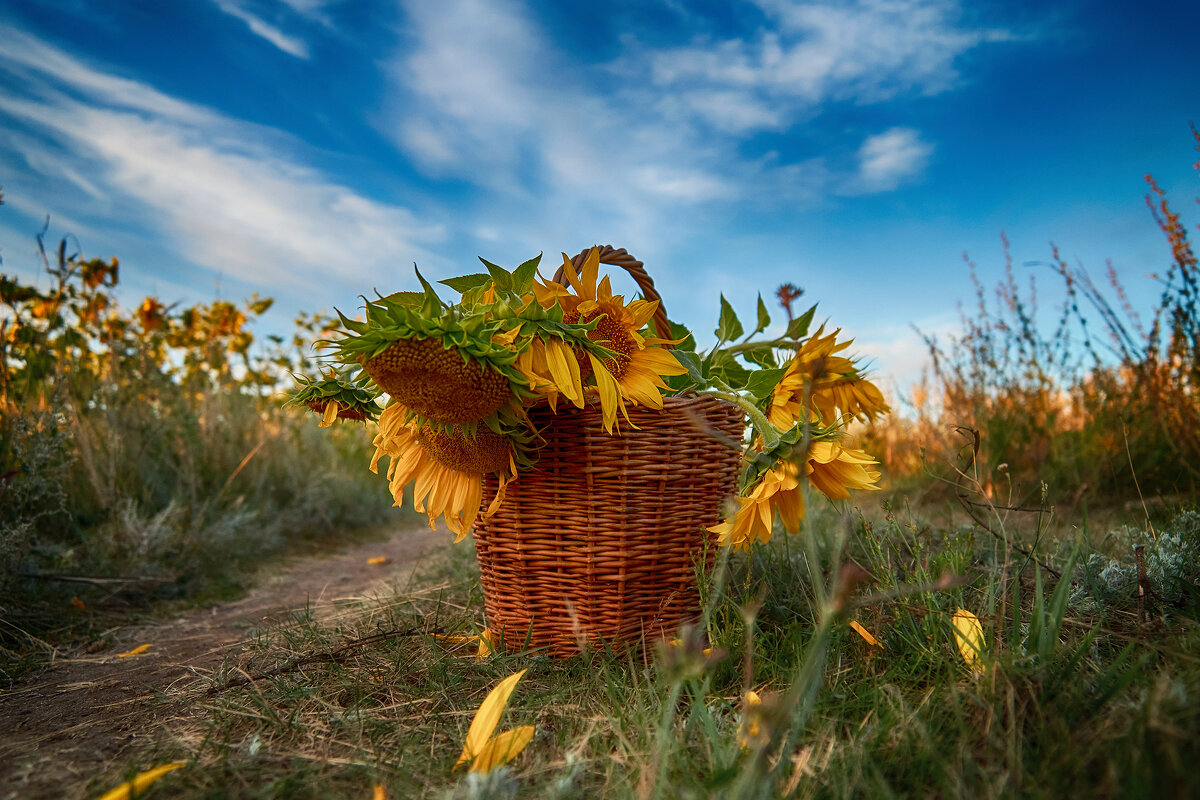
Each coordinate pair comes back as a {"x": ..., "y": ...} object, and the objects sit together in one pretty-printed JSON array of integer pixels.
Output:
[
  {"x": 835, "y": 470},
  {"x": 778, "y": 492},
  {"x": 638, "y": 363},
  {"x": 821, "y": 385},
  {"x": 446, "y": 467}
]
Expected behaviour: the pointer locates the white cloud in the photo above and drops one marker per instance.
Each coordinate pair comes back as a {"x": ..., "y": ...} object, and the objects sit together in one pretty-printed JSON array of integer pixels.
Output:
[
  {"x": 482, "y": 94},
  {"x": 887, "y": 159},
  {"x": 35, "y": 60},
  {"x": 863, "y": 52},
  {"x": 214, "y": 187},
  {"x": 260, "y": 27}
]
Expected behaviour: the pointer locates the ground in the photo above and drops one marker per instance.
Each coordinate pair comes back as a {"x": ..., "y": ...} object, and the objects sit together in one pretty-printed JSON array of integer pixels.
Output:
[{"x": 62, "y": 725}]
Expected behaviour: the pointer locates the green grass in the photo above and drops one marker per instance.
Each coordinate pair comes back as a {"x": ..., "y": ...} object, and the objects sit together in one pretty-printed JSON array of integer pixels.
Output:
[
  {"x": 1078, "y": 698},
  {"x": 145, "y": 461}
]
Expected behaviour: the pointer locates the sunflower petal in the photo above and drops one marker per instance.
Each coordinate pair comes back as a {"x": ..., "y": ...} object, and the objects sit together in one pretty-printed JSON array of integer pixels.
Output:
[
  {"x": 610, "y": 395},
  {"x": 141, "y": 781},
  {"x": 968, "y": 635},
  {"x": 487, "y": 718},
  {"x": 330, "y": 415},
  {"x": 502, "y": 748}
]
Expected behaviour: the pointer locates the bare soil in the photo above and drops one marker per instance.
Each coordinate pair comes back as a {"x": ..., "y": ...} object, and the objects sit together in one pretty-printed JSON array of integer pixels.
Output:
[{"x": 60, "y": 727}]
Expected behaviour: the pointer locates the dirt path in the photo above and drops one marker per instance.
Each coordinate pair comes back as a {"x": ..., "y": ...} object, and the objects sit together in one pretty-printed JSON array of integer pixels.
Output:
[{"x": 63, "y": 725}]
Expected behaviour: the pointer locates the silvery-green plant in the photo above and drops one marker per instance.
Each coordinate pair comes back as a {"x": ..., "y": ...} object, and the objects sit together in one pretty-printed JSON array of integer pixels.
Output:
[{"x": 1172, "y": 564}]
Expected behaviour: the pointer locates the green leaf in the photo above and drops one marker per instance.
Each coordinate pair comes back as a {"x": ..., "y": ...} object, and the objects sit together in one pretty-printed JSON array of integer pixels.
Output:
[
  {"x": 691, "y": 362},
  {"x": 762, "y": 355},
  {"x": 798, "y": 328},
  {"x": 502, "y": 277},
  {"x": 466, "y": 282},
  {"x": 726, "y": 367},
  {"x": 680, "y": 332},
  {"x": 762, "y": 382},
  {"x": 764, "y": 319},
  {"x": 522, "y": 276},
  {"x": 729, "y": 327}
]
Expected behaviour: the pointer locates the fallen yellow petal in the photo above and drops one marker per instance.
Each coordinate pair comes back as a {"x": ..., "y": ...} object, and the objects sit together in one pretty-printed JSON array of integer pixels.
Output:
[
  {"x": 487, "y": 718},
  {"x": 502, "y": 748},
  {"x": 141, "y": 780},
  {"x": 375, "y": 560},
  {"x": 456, "y": 638},
  {"x": 486, "y": 646},
  {"x": 861, "y": 631},
  {"x": 379, "y": 795},
  {"x": 137, "y": 651},
  {"x": 968, "y": 635}
]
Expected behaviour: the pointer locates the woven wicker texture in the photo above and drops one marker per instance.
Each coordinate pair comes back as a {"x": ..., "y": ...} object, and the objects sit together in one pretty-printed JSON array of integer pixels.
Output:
[{"x": 601, "y": 539}]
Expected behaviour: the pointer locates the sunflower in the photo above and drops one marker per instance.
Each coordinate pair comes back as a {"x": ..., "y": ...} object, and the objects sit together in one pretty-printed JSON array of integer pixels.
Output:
[
  {"x": 823, "y": 382},
  {"x": 779, "y": 490},
  {"x": 635, "y": 370},
  {"x": 438, "y": 382},
  {"x": 334, "y": 397},
  {"x": 831, "y": 468},
  {"x": 446, "y": 467},
  {"x": 835, "y": 469},
  {"x": 438, "y": 361}
]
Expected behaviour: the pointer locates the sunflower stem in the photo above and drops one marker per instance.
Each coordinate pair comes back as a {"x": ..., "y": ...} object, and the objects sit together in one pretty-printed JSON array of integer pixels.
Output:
[
  {"x": 782, "y": 343},
  {"x": 769, "y": 434}
]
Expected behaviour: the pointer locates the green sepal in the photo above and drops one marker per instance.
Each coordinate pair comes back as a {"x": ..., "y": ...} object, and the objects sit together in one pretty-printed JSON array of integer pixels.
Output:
[
  {"x": 792, "y": 445},
  {"x": 502, "y": 277},
  {"x": 465, "y": 283},
  {"x": 406, "y": 299},
  {"x": 433, "y": 305},
  {"x": 350, "y": 394},
  {"x": 522, "y": 276},
  {"x": 351, "y": 324}
]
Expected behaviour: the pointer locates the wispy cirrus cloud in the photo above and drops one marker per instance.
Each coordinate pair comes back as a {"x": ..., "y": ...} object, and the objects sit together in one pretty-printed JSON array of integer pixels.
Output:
[
  {"x": 811, "y": 53},
  {"x": 484, "y": 94},
  {"x": 227, "y": 195},
  {"x": 292, "y": 45}
]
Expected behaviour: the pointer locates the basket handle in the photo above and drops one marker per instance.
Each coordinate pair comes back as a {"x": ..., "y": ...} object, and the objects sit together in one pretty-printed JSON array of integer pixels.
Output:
[{"x": 619, "y": 257}]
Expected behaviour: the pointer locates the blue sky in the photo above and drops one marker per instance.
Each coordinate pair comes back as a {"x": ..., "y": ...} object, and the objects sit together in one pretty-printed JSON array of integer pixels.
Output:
[{"x": 312, "y": 150}]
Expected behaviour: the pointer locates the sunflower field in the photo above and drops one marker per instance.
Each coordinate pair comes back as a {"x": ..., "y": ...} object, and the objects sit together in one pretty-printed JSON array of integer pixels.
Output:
[{"x": 143, "y": 449}]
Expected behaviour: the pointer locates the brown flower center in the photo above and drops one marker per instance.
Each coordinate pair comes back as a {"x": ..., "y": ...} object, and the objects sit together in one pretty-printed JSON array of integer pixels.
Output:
[
  {"x": 487, "y": 452},
  {"x": 611, "y": 334},
  {"x": 438, "y": 383}
]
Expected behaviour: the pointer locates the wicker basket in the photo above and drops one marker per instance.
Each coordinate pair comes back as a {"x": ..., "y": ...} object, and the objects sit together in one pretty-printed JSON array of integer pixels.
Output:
[{"x": 601, "y": 540}]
